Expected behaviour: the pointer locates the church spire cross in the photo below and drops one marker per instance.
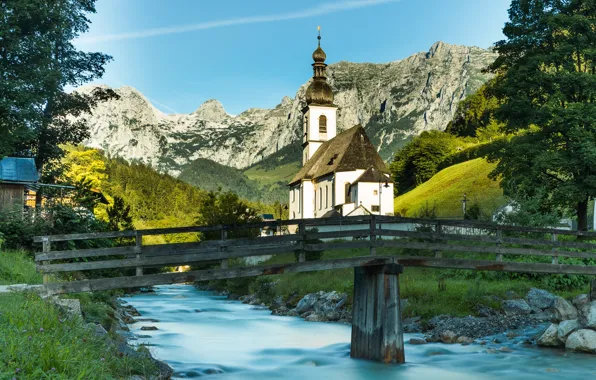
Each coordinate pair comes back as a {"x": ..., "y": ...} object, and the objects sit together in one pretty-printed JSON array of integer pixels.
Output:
[{"x": 319, "y": 37}]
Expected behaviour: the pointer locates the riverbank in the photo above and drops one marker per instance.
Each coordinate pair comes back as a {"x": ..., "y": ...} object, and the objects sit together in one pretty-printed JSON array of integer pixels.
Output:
[{"x": 78, "y": 337}]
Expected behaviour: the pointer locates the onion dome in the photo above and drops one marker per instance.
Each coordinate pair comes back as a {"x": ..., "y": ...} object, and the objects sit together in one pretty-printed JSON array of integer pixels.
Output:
[{"x": 319, "y": 92}]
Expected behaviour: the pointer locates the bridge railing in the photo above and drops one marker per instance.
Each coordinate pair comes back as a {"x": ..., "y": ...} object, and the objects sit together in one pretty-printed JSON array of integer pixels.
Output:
[{"x": 414, "y": 242}]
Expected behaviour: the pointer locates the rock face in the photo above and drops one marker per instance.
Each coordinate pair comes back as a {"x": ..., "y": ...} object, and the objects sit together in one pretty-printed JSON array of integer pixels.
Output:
[
  {"x": 393, "y": 101},
  {"x": 582, "y": 340}
]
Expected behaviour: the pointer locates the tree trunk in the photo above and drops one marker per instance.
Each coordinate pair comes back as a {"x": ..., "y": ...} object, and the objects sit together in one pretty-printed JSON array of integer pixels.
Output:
[{"x": 582, "y": 215}]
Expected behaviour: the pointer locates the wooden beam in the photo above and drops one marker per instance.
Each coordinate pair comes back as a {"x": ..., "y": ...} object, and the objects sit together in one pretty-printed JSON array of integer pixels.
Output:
[
  {"x": 80, "y": 253},
  {"x": 211, "y": 274}
]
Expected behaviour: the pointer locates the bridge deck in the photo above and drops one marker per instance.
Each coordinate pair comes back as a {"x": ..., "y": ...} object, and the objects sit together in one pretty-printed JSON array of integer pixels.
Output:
[{"x": 405, "y": 241}]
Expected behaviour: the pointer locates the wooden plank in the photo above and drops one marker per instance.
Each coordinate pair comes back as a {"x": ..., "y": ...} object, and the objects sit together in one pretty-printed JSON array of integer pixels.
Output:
[
  {"x": 171, "y": 260},
  {"x": 341, "y": 245},
  {"x": 373, "y": 235},
  {"x": 480, "y": 249},
  {"x": 337, "y": 234},
  {"x": 86, "y": 236},
  {"x": 490, "y": 265},
  {"x": 211, "y": 274},
  {"x": 46, "y": 247},
  {"x": 81, "y": 253},
  {"x": 139, "y": 251}
]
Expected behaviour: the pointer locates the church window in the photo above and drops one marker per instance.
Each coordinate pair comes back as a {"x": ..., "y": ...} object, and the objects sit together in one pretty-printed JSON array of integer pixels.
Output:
[
  {"x": 326, "y": 196},
  {"x": 322, "y": 124},
  {"x": 375, "y": 192},
  {"x": 321, "y": 199},
  {"x": 375, "y": 208}
]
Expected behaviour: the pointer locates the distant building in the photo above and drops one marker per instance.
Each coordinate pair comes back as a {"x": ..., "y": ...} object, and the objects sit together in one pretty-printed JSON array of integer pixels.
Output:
[
  {"x": 17, "y": 177},
  {"x": 268, "y": 231},
  {"x": 342, "y": 174}
]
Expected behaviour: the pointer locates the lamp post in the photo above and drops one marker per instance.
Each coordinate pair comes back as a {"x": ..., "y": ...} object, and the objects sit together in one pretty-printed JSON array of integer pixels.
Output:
[
  {"x": 463, "y": 205},
  {"x": 386, "y": 185}
]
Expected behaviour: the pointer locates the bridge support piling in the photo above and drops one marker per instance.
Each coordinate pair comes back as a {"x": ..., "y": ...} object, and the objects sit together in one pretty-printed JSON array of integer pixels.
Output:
[{"x": 377, "y": 332}]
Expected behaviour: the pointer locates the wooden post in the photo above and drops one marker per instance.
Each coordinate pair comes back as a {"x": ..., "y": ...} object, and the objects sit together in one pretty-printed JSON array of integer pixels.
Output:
[
  {"x": 438, "y": 229},
  {"x": 553, "y": 238},
  {"x": 377, "y": 332},
  {"x": 499, "y": 237},
  {"x": 224, "y": 234},
  {"x": 302, "y": 231},
  {"x": 139, "y": 250},
  {"x": 46, "y": 247},
  {"x": 373, "y": 235},
  {"x": 593, "y": 290}
]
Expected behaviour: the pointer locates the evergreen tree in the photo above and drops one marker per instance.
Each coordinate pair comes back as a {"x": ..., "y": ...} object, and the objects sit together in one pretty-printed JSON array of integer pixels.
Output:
[
  {"x": 546, "y": 80},
  {"x": 119, "y": 218}
]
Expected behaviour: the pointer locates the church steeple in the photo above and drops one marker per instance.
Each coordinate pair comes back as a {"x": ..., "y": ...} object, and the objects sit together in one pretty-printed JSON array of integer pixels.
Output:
[
  {"x": 320, "y": 114},
  {"x": 319, "y": 92}
]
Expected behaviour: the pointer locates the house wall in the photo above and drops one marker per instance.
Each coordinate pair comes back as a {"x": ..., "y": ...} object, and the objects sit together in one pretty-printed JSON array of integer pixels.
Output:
[
  {"x": 12, "y": 197},
  {"x": 365, "y": 196}
]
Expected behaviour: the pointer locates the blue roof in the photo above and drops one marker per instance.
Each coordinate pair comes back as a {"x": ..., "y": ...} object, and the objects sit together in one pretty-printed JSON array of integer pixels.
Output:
[
  {"x": 268, "y": 217},
  {"x": 16, "y": 169}
]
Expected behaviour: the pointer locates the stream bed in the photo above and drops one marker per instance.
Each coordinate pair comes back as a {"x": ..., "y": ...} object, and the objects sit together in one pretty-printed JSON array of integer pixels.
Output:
[{"x": 202, "y": 334}]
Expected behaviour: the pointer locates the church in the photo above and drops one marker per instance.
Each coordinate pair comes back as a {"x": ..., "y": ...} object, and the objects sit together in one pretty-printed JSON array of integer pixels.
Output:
[{"x": 342, "y": 174}]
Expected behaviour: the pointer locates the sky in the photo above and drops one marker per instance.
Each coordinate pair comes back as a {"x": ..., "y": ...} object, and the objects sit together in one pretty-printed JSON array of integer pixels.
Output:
[{"x": 252, "y": 53}]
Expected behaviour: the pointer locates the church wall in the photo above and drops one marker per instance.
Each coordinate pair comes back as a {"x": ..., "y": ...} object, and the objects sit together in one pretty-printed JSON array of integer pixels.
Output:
[
  {"x": 313, "y": 114},
  {"x": 387, "y": 207},
  {"x": 308, "y": 206},
  {"x": 294, "y": 202},
  {"x": 366, "y": 197},
  {"x": 340, "y": 184},
  {"x": 324, "y": 196}
]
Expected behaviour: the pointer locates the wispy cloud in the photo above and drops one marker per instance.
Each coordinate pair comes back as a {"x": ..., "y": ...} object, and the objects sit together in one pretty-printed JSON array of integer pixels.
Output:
[{"x": 319, "y": 10}]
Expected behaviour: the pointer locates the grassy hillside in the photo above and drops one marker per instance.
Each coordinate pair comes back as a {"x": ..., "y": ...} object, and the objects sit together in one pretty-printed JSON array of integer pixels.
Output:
[{"x": 446, "y": 188}]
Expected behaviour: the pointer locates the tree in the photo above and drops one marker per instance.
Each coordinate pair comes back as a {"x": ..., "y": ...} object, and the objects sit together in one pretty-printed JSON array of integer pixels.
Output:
[
  {"x": 418, "y": 161},
  {"x": 546, "y": 80},
  {"x": 226, "y": 209},
  {"x": 37, "y": 62},
  {"x": 119, "y": 218}
]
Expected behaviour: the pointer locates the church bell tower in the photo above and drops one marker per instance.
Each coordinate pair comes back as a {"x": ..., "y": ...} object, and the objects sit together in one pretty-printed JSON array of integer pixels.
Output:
[{"x": 320, "y": 114}]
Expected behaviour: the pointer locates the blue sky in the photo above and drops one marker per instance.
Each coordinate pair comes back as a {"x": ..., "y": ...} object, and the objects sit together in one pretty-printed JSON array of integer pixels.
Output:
[{"x": 248, "y": 53}]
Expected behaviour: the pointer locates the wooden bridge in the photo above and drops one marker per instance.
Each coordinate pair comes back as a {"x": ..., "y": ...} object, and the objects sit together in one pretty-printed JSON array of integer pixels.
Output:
[{"x": 387, "y": 244}]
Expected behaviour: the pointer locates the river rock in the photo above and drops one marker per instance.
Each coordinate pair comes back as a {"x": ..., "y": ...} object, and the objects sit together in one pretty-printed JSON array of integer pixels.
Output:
[
  {"x": 277, "y": 303},
  {"x": 149, "y": 328},
  {"x": 316, "y": 317},
  {"x": 549, "y": 337},
  {"x": 307, "y": 303},
  {"x": 332, "y": 315},
  {"x": 540, "y": 299},
  {"x": 99, "y": 330},
  {"x": 582, "y": 340},
  {"x": 563, "y": 310},
  {"x": 566, "y": 328},
  {"x": 588, "y": 315},
  {"x": 465, "y": 340},
  {"x": 511, "y": 295},
  {"x": 516, "y": 307},
  {"x": 418, "y": 341},
  {"x": 448, "y": 336},
  {"x": 580, "y": 300}
]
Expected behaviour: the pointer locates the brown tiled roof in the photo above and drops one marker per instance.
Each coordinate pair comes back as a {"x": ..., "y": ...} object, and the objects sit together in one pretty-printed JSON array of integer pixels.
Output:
[
  {"x": 372, "y": 174},
  {"x": 348, "y": 151}
]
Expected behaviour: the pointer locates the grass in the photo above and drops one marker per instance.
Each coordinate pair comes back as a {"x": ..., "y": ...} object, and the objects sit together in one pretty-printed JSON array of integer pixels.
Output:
[
  {"x": 266, "y": 177},
  {"x": 40, "y": 341},
  {"x": 446, "y": 188}
]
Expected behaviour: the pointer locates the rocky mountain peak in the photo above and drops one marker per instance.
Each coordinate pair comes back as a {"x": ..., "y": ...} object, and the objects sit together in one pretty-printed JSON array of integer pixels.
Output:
[{"x": 211, "y": 110}]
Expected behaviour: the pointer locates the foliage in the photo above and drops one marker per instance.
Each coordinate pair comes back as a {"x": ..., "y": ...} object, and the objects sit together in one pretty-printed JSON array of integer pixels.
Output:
[
  {"x": 17, "y": 268},
  {"x": 419, "y": 160},
  {"x": 474, "y": 116},
  {"x": 427, "y": 212},
  {"x": 474, "y": 212},
  {"x": 38, "y": 62},
  {"x": 446, "y": 188},
  {"x": 119, "y": 218},
  {"x": 226, "y": 209},
  {"x": 546, "y": 81},
  {"x": 264, "y": 289}
]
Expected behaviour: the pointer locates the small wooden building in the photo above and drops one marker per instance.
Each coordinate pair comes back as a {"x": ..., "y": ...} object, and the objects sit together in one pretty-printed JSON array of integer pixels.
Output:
[{"x": 16, "y": 176}]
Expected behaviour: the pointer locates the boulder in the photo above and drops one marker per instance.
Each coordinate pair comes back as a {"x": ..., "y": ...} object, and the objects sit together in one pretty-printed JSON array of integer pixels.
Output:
[
  {"x": 516, "y": 307},
  {"x": 465, "y": 340},
  {"x": 99, "y": 330},
  {"x": 307, "y": 303},
  {"x": 582, "y": 340},
  {"x": 549, "y": 337},
  {"x": 447, "y": 336},
  {"x": 149, "y": 328},
  {"x": 566, "y": 328},
  {"x": 588, "y": 314},
  {"x": 563, "y": 310},
  {"x": 580, "y": 300},
  {"x": 332, "y": 315},
  {"x": 540, "y": 299},
  {"x": 316, "y": 317},
  {"x": 418, "y": 341}
]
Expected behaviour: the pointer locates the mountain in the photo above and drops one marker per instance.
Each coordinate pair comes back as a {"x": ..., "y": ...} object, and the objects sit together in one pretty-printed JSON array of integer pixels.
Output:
[{"x": 393, "y": 101}]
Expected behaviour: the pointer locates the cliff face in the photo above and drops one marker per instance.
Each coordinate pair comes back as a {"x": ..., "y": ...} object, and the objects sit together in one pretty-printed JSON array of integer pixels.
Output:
[{"x": 393, "y": 101}]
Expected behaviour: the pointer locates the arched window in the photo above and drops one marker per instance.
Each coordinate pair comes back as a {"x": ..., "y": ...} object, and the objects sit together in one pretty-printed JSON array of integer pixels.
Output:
[
  {"x": 321, "y": 199},
  {"x": 326, "y": 196},
  {"x": 322, "y": 124}
]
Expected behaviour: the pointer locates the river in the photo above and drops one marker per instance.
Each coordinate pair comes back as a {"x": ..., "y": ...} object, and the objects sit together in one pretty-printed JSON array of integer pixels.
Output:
[{"x": 202, "y": 334}]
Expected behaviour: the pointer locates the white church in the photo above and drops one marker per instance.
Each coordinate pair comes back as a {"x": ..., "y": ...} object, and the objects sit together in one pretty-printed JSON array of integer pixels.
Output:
[{"x": 342, "y": 174}]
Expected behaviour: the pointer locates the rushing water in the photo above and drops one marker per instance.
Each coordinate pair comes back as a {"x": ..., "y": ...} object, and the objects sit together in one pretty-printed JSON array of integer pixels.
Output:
[{"x": 204, "y": 334}]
